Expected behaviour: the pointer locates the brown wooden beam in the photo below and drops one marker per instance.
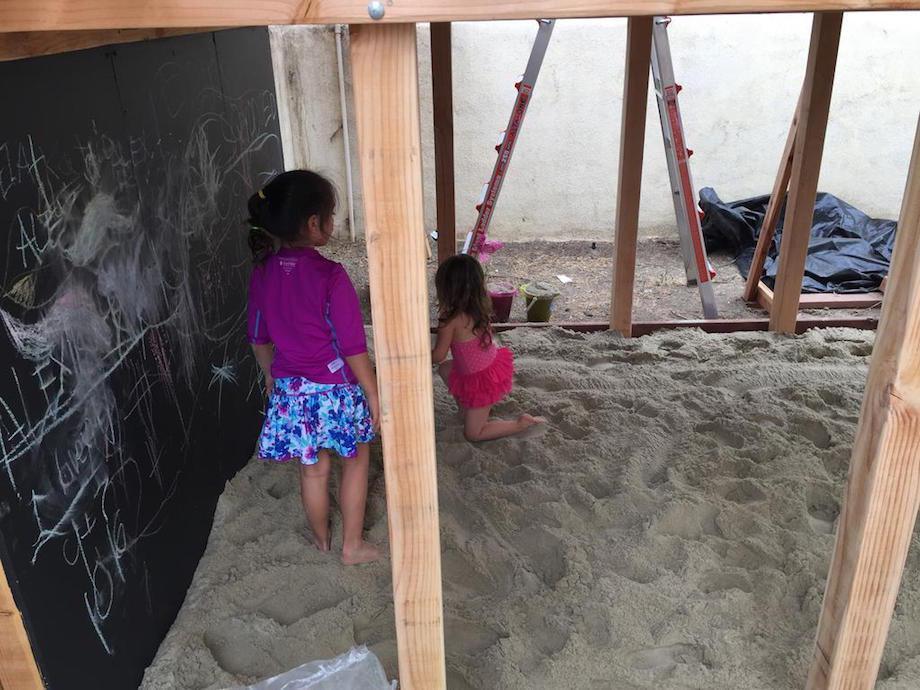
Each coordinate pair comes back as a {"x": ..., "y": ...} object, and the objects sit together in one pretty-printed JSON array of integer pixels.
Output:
[
  {"x": 442, "y": 86},
  {"x": 384, "y": 60},
  {"x": 814, "y": 105},
  {"x": 864, "y": 300},
  {"x": 777, "y": 197},
  {"x": 63, "y": 15},
  {"x": 629, "y": 176},
  {"x": 883, "y": 488},
  {"x": 15, "y": 46}
]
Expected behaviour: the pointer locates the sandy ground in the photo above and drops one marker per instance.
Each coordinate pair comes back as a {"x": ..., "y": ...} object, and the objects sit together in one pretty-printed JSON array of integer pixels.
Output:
[{"x": 672, "y": 529}]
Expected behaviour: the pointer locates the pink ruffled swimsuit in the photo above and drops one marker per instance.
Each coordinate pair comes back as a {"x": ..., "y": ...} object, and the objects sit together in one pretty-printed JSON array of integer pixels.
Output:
[{"x": 481, "y": 375}]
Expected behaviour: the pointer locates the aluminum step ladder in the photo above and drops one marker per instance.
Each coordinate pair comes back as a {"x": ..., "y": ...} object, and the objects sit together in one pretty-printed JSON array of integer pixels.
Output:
[
  {"x": 508, "y": 138},
  {"x": 696, "y": 263}
]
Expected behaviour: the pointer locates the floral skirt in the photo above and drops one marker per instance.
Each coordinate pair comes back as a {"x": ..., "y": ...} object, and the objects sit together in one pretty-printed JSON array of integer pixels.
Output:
[{"x": 305, "y": 417}]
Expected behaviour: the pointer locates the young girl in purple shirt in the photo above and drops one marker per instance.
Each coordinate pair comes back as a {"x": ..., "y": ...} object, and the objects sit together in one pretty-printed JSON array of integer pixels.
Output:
[{"x": 307, "y": 333}]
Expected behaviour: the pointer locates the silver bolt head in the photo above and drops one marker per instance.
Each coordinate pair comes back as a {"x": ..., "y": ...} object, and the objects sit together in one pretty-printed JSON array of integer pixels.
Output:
[{"x": 376, "y": 10}]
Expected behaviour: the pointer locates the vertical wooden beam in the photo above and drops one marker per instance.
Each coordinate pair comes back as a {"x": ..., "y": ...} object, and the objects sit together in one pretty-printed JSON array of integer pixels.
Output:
[
  {"x": 883, "y": 487},
  {"x": 629, "y": 180},
  {"x": 442, "y": 86},
  {"x": 18, "y": 670},
  {"x": 814, "y": 104},
  {"x": 777, "y": 197},
  {"x": 389, "y": 148}
]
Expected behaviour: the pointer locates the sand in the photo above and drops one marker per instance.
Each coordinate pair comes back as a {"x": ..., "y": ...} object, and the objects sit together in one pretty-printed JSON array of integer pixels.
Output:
[{"x": 671, "y": 529}]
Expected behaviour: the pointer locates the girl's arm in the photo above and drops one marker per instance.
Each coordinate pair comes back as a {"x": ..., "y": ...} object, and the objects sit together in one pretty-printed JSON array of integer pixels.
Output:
[
  {"x": 361, "y": 367},
  {"x": 442, "y": 344},
  {"x": 265, "y": 353}
]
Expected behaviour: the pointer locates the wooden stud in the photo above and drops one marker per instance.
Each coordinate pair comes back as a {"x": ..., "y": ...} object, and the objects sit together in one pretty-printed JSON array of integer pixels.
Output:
[
  {"x": 389, "y": 149},
  {"x": 15, "y": 46},
  {"x": 883, "y": 487},
  {"x": 442, "y": 84},
  {"x": 806, "y": 165},
  {"x": 777, "y": 197},
  {"x": 69, "y": 15},
  {"x": 860, "y": 300},
  {"x": 629, "y": 180},
  {"x": 18, "y": 670}
]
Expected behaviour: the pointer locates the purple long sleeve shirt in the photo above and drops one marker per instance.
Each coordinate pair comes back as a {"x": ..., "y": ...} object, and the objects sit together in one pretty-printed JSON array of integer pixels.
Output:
[{"x": 307, "y": 307}]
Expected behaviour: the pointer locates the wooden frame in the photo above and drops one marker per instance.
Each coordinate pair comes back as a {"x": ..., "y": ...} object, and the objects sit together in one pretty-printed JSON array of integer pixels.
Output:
[
  {"x": 883, "y": 492},
  {"x": 867, "y": 300},
  {"x": 814, "y": 104},
  {"x": 71, "y": 15},
  {"x": 442, "y": 84},
  {"x": 385, "y": 73},
  {"x": 883, "y": 487},
  {"x": 629, "y": 179}
]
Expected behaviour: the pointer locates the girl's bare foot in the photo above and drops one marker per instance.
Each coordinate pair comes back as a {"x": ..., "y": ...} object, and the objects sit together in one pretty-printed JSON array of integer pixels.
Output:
[
  {"x": 526, "y": 421},
  {"x": 320, "y": 544},
  {"x": 363, "y": 553}
]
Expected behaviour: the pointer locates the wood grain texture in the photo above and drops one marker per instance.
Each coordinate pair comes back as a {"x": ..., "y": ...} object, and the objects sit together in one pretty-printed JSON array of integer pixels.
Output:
[
  {"x": 62, "y": 15},
  {"x": 814, "y": 105},
  {"x": 15, "y": 46},
  {"x": 629, "y": 176},
  {"x": 768, "y": 227},
  {"x": 883, "y": 488},
  {"x": 18, "y": 670},
  {"x": 442, "y": 86},
  {"x": 385, "y": 76}
]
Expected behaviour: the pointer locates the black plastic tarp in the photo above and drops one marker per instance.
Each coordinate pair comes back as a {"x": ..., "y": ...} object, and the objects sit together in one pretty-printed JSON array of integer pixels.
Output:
[{"x": 847, "y": 252}]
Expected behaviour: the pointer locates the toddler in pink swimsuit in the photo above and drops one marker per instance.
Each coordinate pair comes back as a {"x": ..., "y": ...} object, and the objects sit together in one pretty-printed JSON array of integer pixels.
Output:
[{"x": 480, "y": 374}]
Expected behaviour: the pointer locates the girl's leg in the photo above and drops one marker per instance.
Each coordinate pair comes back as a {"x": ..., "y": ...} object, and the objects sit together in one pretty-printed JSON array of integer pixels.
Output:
[
  {"x": 314, "y": 493},
  {"x": 478, "y": 427},
  {"x": 353, "y": 499}
]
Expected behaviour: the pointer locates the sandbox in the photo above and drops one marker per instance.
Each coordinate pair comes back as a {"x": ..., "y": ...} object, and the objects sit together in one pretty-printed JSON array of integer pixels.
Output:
[{"x": 672, "y": 529}]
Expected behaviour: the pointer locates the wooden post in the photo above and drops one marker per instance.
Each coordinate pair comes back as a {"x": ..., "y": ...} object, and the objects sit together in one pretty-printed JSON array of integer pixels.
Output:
[
  {"x": 814, "y": 104},
  {"x": 883, "y": 487},
  {"x": 777, "y": 197},
  {"x": 389, "y": 148},
  {"x": 629, "y": 181},
  {"x": 18, "y": 670},
  {"x": 442, "y": 83}
]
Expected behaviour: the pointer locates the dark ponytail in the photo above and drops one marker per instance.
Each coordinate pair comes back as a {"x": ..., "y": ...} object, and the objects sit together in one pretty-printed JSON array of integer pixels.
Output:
[{"x": 279, "y": 211}]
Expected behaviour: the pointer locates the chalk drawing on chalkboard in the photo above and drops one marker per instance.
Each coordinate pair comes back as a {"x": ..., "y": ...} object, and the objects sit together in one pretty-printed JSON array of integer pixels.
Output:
[{"x": 111, "y": 294}]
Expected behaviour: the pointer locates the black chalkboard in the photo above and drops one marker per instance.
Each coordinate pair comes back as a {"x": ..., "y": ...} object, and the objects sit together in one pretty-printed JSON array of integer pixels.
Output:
[{"x": 127, "y": 394}]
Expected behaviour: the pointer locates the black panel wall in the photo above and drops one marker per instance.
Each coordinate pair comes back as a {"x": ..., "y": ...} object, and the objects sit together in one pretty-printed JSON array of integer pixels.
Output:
[{"x": 127, "y": 394}]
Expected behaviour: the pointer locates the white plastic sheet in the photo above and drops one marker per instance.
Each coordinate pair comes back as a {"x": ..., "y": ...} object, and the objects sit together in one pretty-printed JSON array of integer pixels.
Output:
[{"x": 357, "y": 669}]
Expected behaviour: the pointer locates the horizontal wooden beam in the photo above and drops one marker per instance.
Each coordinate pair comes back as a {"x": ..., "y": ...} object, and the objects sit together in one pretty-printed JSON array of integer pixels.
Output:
[
  {"x": 70, "y": 15},
  {"x": 25, "y": 44},
  {"x": 707, "y": 325},
  {"x": 822, "y": 300}
]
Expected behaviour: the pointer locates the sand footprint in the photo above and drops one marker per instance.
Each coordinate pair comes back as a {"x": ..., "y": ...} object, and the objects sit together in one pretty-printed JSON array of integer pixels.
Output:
[
  {"x": 666, "y": 659},
  {"x": 720, "y": 433},
  {"x": 546, "y": 553},
  {"x": 298, "y": 600},
  {"x": 823, "y": 510},
  {"x": 721, "y": 581},
  {"x": 813, "y": 430},
  {"x": 744, "y": 491}
]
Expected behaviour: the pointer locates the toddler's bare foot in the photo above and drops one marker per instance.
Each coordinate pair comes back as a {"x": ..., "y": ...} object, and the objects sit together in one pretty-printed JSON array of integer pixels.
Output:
[{"x": 364, "y": 553}]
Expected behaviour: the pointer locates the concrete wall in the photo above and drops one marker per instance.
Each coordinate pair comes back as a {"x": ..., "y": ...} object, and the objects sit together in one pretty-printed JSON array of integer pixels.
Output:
[{"x": 741, "y": 77}]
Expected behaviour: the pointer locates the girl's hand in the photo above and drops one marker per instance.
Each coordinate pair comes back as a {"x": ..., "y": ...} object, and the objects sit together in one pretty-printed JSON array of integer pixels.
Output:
[
  {"x": 269, "y": 385},
  {"x": 373, "y": 402}
]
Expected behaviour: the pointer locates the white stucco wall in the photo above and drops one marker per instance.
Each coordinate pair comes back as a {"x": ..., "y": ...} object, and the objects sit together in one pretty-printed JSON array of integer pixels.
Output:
[{"x": 741, "y": 77}]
